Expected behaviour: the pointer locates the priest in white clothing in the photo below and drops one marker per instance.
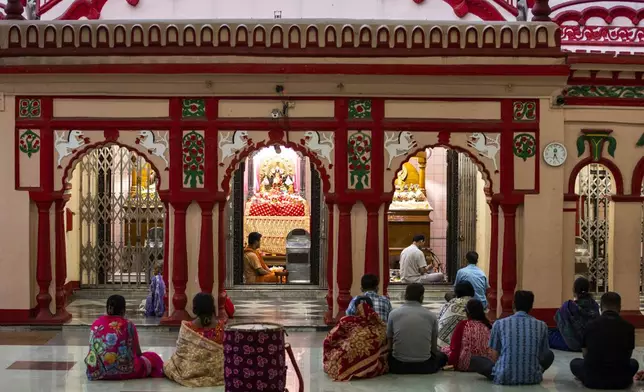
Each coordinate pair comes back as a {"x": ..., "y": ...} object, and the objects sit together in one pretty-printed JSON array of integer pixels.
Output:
[{"x": 413, "y": 265}]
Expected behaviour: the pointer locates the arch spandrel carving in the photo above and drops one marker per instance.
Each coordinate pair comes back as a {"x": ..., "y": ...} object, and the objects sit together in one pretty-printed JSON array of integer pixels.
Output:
[
  {"x": 71, "y": 145},
  {"x": 399, "y": 146},
  {"x": 233, "y": 146}
]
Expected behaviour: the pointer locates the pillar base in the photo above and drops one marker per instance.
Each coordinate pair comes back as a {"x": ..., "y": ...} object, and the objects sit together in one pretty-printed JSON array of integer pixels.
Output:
[
  {"x": 44, "y": 315},
  {"x": 176, "y": 318},
  {"x": 62, "y": 316},
  {"x": 547, "y": 315},
  {"x": 340, "y": 315}
]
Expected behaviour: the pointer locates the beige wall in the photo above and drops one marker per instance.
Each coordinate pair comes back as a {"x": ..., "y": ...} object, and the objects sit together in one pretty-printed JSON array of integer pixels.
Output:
[
  {"x": 483, "y": 222},
  {"x": 73, "y": 237},
  {"x": 16, "y": 287}
]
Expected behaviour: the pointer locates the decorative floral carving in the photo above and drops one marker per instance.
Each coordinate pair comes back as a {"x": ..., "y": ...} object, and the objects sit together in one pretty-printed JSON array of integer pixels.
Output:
[
  {"x": 595, "y": 140},
  {"x": 359, "y": 155},
  {"x": 525, "y": 146},
  {"x": 524, "y": 110},
  {"x": 605, "y": 91},
  {"x": 29, "y": 143},
  {"x": 29, "y": 108},
  {"x": 606, "y": 34},
  {"x": 359, "y": 108},
  {"x": 191, "y": 108},
  {"x": 193, "y": 144}
]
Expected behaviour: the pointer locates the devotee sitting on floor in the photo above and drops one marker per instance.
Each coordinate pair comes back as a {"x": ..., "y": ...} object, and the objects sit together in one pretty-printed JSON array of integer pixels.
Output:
[
  {"x": 573, "y": 317},
  {"x": 199, "y": 357},
  {"x": 255, "y": 270},
  {"x": 114, "y": 350},
  {"x": 520, "y": 342},
  {"x": 413, "y": 265},
  {"x": 357, "y": 347},
  {"x": 475, "y": 276},
  {"x": 154, "y": 306},
  {"x": 607, "y": 347},
  {"x": 380, "y": 303},
  {"x": 413, "y": 332},
  {"x": 453, "y": 312},
  {"x": 471, "y": 338}
]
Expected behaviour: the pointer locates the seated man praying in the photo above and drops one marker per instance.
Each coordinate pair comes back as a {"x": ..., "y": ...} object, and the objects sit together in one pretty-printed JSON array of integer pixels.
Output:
[
  {"x": 607, "y": 345},
  {"x": 381, "y": 304},
  {"x": 520, "y": 342},
  {"x": 413, "y": 264},
  {"x": 412, "y": 331},
  {"x": 255, "y": 270}
]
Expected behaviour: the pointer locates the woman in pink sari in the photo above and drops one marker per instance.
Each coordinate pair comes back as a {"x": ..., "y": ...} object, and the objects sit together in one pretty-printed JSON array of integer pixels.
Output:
[{"x": 114, "y": 350}]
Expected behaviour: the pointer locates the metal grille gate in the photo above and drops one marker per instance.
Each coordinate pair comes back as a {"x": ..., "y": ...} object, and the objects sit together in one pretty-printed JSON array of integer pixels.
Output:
[
  {"x": 595, "y": 187},
  {"x": 461, "y": 209},
  {"x": 121, "y": 218}
]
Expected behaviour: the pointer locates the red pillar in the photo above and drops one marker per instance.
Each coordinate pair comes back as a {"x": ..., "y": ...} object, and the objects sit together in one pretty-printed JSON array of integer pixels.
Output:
[
  {"x": 385, "y": 249},
  {"x": 206, "y": 256},
  {"x": 221, "y": 272},
  {"x": 166, "y": 256},
  {"x": 509, "y": 273},
  {"x": 62, "y": 315},
  {"x": 14, "y": 10},
  {"x": 179, "y": 265},
  {"x": 43, "y": 267},
  {"x": 494, "y": 259},
  {"x": 372, "y": 250},
  {"x": 328, "y": 316},
  {"x": 541, "y": 11},
  {"x": 345, "y": 264}
]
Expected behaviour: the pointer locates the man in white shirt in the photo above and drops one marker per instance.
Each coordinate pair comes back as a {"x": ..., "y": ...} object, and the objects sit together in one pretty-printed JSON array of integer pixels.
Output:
[{"x": 413, "y": 265}]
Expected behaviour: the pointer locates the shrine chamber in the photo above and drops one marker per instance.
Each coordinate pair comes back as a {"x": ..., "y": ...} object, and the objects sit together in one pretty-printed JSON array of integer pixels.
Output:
[{"x": 409, "y": 212}]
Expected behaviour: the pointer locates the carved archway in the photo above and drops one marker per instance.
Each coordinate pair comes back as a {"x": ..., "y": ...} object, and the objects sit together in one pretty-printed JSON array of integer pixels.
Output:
[
  {"x": 610, "y": 165},
  {"x": 638, "y": 178}
]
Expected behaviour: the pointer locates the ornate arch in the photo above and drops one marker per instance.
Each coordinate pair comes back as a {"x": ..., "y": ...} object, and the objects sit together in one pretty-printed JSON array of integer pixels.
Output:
[
  {"x": 610, "y": 165},
  {"x": 276, "y": 138},
  {"x": 69, "y": 168},
  {"x": 638, "y": 178},
  {"x": 487, "y": 178}
]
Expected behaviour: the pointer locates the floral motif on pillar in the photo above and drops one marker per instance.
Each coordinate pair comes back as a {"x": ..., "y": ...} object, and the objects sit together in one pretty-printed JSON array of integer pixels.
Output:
[
  {"x": 359, "y": 160},
  {"x": 345, "y": 258},
  {"x": 509, "y": 273}
]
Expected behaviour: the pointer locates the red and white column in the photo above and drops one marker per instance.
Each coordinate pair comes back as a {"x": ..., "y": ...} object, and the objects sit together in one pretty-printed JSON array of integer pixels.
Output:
[
  {"x": 179, "y": 265},
  {"x": 43, "y": 264},
  {"x": 330, "y": 253},
  {"x": 372, "y": 250},
  {"x": 206, "y": 252},
  {"x": 221, "y": 262},
  {"x": 493, "y": 274},
  {"x": 509, "y": 275},
  {"x": 62, "y": 315},
  {"x": 345, "y": 258}
]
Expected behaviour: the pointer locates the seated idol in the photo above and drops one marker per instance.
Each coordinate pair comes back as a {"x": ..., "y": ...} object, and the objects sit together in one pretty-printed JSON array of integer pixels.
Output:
[{"x": 255, "y": 269}]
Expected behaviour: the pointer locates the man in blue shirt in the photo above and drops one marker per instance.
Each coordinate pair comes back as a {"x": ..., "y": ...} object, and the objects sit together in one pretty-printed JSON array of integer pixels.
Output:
[
  {"x": 520, "y": 342},
  {"x": 475, "y": 276},
  {"x": 381, "y": 304}
]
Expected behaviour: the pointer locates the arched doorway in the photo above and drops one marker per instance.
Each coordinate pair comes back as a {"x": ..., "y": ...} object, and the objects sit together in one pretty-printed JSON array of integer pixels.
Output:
[
  {"x": 440, "y": 192},
  {"x": 118, "y": 236},
  {"x": 277, "y": 191}
]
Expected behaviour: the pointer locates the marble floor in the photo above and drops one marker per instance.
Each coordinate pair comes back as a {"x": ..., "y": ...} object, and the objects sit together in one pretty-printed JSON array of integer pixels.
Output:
[{"x": 50, "y": 361}]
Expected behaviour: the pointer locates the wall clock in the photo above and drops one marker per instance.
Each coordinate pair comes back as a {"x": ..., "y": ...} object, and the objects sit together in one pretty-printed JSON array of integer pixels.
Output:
[{"x": 555, "y": 154}]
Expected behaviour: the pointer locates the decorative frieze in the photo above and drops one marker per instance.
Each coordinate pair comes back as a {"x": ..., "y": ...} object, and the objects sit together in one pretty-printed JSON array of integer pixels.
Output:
[{"x": 605, "y": 91}]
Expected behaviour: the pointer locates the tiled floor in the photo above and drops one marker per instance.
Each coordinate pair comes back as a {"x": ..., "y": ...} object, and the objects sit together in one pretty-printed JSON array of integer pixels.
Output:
[{"x": 57, "y": 366}]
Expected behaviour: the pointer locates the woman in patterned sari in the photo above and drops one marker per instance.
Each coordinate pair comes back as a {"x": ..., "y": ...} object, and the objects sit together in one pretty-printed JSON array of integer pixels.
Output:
[
  {"x": 199, "y": 358},
  {"x": 573, "y": 317},
  {"x": 453, "y": 312},
  {"x": 114, "y": 350},
  {"x": 357, "y": 346},
  {"x": 471, "y": 338}
]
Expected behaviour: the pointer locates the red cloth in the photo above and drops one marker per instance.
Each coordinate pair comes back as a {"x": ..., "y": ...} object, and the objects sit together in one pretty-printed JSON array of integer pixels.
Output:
[
  {"x": 470, "y": 338},
  {"x": 357, "y": 346},
  {"x": 229, "y": 307}
]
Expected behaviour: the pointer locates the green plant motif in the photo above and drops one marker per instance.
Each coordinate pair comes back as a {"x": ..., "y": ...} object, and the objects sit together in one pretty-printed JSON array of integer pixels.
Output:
[
  {"x": 359, "y": 154},
  {"x": 193, "y": 108},
  {"x": 605, "y": 92},
  {"x": 640, "y": 142},
  {"x": 29, "y": 108},
  {"x": 359, "y": 108},
  {"x": 524, "y": 110},
  {"x": 193, "y": 159},
  {"x": 525, "y": 146},
  {"x": 596, "y": 142},
  {"x": 29, "y": 143}
]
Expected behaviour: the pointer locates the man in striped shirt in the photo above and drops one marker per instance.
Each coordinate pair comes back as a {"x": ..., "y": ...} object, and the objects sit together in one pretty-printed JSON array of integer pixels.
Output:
[
  {"x": 381, "y": 304},
  {"x": 520, "y": 342}
]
